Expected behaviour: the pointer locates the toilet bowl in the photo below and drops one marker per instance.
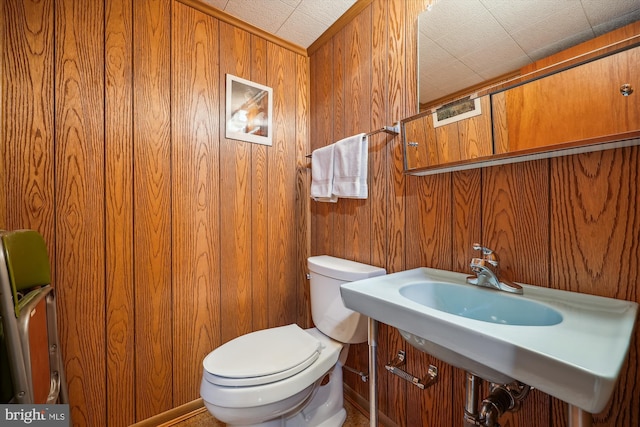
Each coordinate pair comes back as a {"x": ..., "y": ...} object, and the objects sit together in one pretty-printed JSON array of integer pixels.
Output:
[{"x": 289, "y": 376}]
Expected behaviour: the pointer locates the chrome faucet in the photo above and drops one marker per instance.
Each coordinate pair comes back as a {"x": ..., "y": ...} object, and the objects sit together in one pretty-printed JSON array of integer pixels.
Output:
[{"x": 487, "y": 272}]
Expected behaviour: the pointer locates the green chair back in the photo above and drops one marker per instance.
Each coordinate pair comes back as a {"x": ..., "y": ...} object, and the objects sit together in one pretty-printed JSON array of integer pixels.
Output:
[{"x": 27, "y": 262}]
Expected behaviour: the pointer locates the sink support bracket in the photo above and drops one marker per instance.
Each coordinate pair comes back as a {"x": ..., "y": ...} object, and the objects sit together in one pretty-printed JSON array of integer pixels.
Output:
[
  {"x": 579, "y": 417},
  {"x": 394, "y": 367}
]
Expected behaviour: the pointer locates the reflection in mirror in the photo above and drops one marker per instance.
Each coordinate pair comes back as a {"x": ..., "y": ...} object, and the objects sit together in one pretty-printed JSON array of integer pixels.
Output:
[
  {"x": 458, "y": 138},
  {"x": 462, "y": 44}
]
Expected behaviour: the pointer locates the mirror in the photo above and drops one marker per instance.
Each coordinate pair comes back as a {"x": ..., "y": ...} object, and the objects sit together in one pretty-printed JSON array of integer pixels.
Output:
[{"x": 467, "y": 43}]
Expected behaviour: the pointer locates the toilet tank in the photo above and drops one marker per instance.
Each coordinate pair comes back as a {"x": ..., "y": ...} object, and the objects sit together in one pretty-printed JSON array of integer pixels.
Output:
[{"x": 329, "y": 314}]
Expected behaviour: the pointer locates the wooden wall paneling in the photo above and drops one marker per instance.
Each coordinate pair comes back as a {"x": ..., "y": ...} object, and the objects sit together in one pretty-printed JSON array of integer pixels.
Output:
[
  {"x": 79, "y": 218},
  {"x": 118, "y": 122},
  {"x": 595, "y": 226},
  {"x": 322, "y": 135},
  {"x": 152, "y": 207},
  {"x": 260, "y": 206},
  {"x": 430, "y": 218},
  {"x": 467, "y": 214},
  {"x": 357, "y": 119},
  {"x": 195, "y": 197},
  {"x": 235, "y": 197},
  {"x": 396, "y": 400},
  {"x": 281, "y": 187},
  {"x": 338, "y": 215},
  {"x": 303, "y": 182},
  {"x": 515, "y": 224},
  {"x": 26, "y": 118},
  {"x": 378, "y": 143},
  {"x": 466, "y": 230}
]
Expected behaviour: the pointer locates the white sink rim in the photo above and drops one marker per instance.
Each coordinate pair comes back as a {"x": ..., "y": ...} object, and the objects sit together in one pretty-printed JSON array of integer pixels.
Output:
[{"x": 577, "y": 360}]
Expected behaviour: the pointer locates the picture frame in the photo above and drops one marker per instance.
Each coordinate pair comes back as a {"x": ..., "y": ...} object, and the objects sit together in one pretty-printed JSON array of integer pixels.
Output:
[
  {"x": 249, "y": 111},
  {"x": 455, "y": 111}
]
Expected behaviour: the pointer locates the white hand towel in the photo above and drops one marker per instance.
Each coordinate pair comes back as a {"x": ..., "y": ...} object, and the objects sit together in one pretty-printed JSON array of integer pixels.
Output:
[
  {"x": 350, "y": 167},
  {"x": 322, "y": 174}
]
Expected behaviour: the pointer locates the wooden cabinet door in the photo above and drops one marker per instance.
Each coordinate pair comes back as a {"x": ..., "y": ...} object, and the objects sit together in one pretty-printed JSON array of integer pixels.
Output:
[
  {"x": 577, "y": 104},
  {"x": 467, "y": 139}
]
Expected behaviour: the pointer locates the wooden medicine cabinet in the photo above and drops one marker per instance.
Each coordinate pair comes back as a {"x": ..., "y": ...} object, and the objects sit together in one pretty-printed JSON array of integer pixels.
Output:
[
  {"x": 584, "y": 99},
  {"x": 595, "y": 102}
]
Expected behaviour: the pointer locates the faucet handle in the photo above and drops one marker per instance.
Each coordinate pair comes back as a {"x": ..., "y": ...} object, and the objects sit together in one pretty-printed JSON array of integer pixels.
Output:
[{"x": 487, "y": 254}]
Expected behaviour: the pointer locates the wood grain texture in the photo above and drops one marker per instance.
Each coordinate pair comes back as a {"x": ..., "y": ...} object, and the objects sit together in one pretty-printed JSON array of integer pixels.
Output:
[
  {"x": 281, "y": 188},
  {"x": 500, "y": 125},
  {"x": 27, "y": 118},
  {"x": 118, "y": 122},
  {"x": 476, "y": 133},
  {"x": 132, "y": 201},
  {"x": 357, "y": 116},
  {"x": 322, "y": 135},
  {"x": 378, "y": 143},
  {"x": 422, "y": 137},
  {"x": 195, "y": 197},
  {"x": 152, "y": 204},
  {"x": 338, "y": 215},
  {"x": 595, "y": 226},
  {"x": 259, "y": 202},
  {"x": 538, "y": 111},
  {"x": 79, "y": 189},
  {"x": 303, "y": 191},
  {"x": 515, "y": 219},
  {"x": 356, "y": 215},
  {"x": 235, "y": 196}
]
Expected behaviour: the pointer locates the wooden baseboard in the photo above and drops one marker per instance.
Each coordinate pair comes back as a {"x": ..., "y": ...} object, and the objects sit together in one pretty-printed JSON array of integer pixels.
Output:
[
  {"x": 362, "y": 405},
  {"x": 174, "y": 416}
]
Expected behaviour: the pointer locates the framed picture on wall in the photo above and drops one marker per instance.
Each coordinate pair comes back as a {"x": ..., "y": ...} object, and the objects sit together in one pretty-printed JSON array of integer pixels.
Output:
[{"x": 249, "y": 111}]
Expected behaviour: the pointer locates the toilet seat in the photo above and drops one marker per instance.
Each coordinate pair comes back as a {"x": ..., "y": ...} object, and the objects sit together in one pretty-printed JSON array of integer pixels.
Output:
[
  {"x": 259, "y": 395},
  {"x": 262, "y": 357}
]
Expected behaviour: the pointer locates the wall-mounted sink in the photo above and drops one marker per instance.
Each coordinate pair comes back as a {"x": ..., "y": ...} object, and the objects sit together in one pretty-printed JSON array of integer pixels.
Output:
[{"x": 566, "y": 344}]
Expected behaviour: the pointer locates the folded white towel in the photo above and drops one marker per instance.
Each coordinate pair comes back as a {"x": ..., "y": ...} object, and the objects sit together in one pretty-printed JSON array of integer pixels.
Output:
[
  {"x": 322, "y": 161},
  {"x": 350, "y": 167}
]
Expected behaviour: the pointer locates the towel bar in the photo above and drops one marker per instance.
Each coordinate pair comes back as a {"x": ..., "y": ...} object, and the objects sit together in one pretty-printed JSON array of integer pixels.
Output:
[{"x": 392, "y": 130}]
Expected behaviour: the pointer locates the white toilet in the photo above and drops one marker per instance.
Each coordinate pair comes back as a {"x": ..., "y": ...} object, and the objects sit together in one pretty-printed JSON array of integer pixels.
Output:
[{"x": 274, "y": 377}]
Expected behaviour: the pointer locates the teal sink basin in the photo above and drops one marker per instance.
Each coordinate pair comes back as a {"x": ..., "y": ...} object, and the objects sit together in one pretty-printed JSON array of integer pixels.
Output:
[
  {"x": 566, "y": 344},
  {"x": 476, "y": 303}
]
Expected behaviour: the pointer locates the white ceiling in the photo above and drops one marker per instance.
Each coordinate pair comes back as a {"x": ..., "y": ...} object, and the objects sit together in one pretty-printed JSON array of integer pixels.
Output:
[
  {"x": 298, "y": 21},
  {"x": 467, "y": 42}
]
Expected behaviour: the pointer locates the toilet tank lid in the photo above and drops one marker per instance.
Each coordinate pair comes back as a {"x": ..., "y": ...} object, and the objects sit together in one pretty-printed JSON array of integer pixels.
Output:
[{"x": 342, "y": 269}]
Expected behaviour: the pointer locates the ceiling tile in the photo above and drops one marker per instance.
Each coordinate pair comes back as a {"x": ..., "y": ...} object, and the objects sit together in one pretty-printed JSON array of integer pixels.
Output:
[
  {"x": 302, "y": 28},
  {"x": 266, "y": 14},
  {"x": 325, "y": 11}
]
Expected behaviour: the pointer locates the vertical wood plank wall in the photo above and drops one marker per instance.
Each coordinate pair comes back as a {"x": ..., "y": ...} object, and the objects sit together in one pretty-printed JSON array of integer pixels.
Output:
[
  {"x": 166, "y": 239},
  {"x": 569, "y": 223}
]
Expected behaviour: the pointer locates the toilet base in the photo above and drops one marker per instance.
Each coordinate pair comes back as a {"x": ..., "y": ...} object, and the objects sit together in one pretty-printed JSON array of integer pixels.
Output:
[{"x": 323, "y": 408}]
